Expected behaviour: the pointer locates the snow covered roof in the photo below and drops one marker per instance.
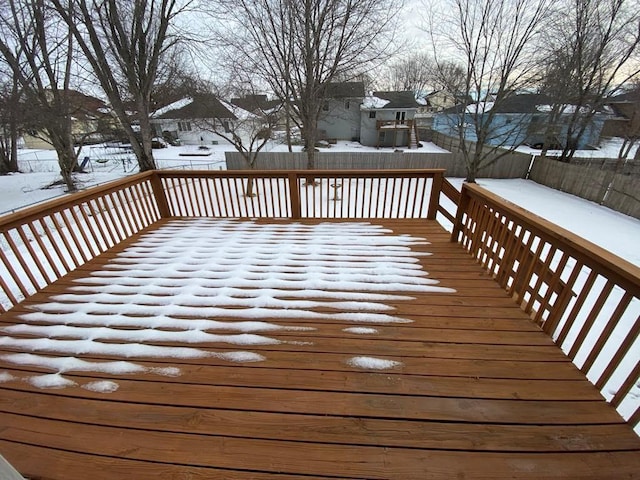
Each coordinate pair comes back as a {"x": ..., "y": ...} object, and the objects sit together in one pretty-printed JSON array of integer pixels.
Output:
[
  {"x": 391, "y": 100},
  {"x": 196, "y": 106},
  {"x": 373, "y": 102},
  {"x": 183, "y": 102}
]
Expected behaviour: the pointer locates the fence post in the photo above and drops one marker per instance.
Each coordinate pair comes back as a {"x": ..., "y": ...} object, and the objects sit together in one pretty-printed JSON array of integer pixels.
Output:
[
  {"x": 434, "y": 197},
  {"x": 160, "y": 195},
  {"x": 294, "y": 195},
  {"x": 463, "y": 205}
]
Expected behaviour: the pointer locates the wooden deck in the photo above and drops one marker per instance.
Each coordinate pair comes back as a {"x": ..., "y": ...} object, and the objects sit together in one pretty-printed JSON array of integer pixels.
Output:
[{"x": 478, "y": 391}]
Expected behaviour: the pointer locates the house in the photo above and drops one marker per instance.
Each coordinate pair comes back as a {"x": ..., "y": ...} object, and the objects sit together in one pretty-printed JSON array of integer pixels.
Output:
[
  {"x": 518, "y": 119},
  {"x": 625, "y": 120},
  {"x": 387, "y": 120},
  {"x": 194, "y": 120},
  {"x": 92, "y": 120},
  {"x": 340, "y": 116},
  {"x": 437, "y": 101}
]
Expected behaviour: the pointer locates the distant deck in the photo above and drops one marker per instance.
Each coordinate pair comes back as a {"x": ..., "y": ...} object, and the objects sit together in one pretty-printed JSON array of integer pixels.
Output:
[{"x": 477, "y": 389}]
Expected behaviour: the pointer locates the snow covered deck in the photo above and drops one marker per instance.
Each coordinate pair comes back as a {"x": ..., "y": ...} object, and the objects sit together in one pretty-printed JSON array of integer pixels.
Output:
[{"x": 280, "y": 349}]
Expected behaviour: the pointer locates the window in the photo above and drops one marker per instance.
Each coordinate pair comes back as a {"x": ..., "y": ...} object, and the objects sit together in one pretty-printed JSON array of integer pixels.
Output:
[
  {"x": 184, "y": 126},
  {"x": 227, "y": 126},
  {"x": 372, "y": 114},
  {"x": 347, "y": 104},
  {"x": 400, "y": 117}
]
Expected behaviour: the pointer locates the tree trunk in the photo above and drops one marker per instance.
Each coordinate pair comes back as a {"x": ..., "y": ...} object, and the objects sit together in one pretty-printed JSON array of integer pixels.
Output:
[
  {"x": 145, "y": 153},
  {"x": 13, "y": 154},
  {"x": 636, "y": 157},
  {"x": 62, "y": 142},
  {"x": 288, "y": 125}
]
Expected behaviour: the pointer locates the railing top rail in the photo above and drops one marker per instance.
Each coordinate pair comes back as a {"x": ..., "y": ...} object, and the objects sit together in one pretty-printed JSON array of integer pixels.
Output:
[
  {"x": 382, "y": 173},
  {"x": 619, "y": 269},
  {"x": 38, "y": 211}
]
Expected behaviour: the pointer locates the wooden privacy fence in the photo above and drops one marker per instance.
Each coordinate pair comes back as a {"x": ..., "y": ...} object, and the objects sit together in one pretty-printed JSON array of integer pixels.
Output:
[
  {"x": 514, "y": 165},
  {"x": 585, "y": 298},
  {"x": 618, "y": 190},
  {"x": 43, "y": 243}
]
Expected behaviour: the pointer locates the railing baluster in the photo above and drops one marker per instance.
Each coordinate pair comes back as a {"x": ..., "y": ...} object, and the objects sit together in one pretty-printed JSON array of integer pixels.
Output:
[
  {"x": 622, "y": 351},
  {"x": 604, "y": 336},
  {"x": 16, "y": 278},
  {"x": 54, "y": 244},
  {"x": 628, "y": 383},
  {"x": 590, "y": 320},
  {"x": 579, "y": 303},
  {"x": 34, "y": 257}
]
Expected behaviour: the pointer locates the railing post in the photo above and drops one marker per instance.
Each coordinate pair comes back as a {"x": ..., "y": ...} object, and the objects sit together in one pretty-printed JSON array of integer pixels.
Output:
[
  {"x": 160, "y": 195},
  {"x": 434, "y": 198},
  {"x": 294, "y": 195},
  {"x": 463, "y": 205}
]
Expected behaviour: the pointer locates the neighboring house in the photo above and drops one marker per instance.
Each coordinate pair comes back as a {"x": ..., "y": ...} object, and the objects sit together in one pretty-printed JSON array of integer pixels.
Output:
[
  {"x": 387, "y": 120},
  {"x": 192, "y": 120},
  {"x": 92, "y": 120},
  {"x": 437, "y": 101},
  {"x": 340, "y": 118},
  {"x": 625, "y": 121},
  {"x": 520, "y": 119},
  {"x": 257, "y": 104},
  {"x": 270, "y": 111}
]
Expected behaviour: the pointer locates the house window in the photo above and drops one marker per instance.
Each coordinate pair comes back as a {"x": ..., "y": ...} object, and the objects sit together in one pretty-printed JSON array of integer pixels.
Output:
[
  {"x": 372, "y": 114},
  {"x": 400, "y": 117},
  {"x": 184, "y": 126},
  {"x": 227, "y": 126},
  {"x": 347, "y": 104}
]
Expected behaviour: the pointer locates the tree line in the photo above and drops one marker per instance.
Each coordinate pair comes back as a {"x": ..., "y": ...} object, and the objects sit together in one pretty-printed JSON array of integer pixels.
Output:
[{"x": 576, "y": 52}]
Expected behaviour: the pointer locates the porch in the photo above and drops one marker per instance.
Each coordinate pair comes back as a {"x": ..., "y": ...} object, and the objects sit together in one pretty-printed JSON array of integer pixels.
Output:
[{"x": 327, "y": 332}]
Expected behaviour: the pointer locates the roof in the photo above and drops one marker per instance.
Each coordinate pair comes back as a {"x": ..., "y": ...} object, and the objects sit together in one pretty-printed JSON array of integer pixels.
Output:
[
  {"x": 345, "y": 90},
  {"x": 255, "y": 103},
  {"x": 395, "y": 100},
  {"x": 200, "y": 106},
  {"x": 518, "y": 103}
]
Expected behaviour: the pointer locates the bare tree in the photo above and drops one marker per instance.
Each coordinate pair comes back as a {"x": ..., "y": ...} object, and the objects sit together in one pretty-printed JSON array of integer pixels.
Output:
[
  {"x": 300, "y": 46},
  {"x": 592, "y": 48},
  {"x": 250, "y": 131},
  {"x": 125, "y": 42},
  {"x": 492, "y": 41},
  {"x": 40, "y": 52},
  {"x": 12, "y": 119},
  {"x": 412, "y": 73},
  {"x": 629, "y": 107}
]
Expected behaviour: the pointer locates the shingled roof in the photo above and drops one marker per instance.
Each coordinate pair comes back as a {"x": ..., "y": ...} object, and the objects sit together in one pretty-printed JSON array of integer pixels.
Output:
[
  {"x": 345, "y": 90},
  {"x": 201, "y": 106},
  {"x": 255, "y": 103},
  {"x": 402, "y": 99}
]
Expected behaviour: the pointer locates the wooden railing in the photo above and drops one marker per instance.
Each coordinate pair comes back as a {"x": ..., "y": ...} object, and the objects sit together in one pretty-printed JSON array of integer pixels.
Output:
[
  {"x": 585, "y": 298},
  {"x": 297, "y": 194},
  {"x": 41, "y": 244}
]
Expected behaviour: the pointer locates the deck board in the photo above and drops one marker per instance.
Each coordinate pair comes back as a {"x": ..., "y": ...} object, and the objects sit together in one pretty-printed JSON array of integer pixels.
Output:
[{"x": 479, "y": 391}]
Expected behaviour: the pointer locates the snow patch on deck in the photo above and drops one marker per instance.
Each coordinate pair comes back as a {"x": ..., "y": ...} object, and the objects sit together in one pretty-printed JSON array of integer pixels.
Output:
[{"x": 161, "y": 297}]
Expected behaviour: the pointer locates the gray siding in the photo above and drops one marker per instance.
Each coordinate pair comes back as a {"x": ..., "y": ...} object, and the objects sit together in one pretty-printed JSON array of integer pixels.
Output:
[{"x": 340, "y": 122}]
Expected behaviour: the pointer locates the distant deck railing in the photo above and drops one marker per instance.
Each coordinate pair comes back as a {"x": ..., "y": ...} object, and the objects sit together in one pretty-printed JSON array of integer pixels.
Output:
[
  {"x": 585, "y": 298},
  {"x": 580, "y": 294}
]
